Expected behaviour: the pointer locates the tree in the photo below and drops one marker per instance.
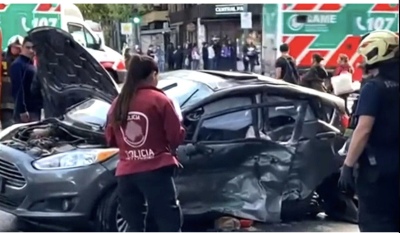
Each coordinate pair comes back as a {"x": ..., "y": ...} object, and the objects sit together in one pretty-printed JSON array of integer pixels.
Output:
[
  {"x": 110, "y": 14},
  {"x": 106, "y": 12}
]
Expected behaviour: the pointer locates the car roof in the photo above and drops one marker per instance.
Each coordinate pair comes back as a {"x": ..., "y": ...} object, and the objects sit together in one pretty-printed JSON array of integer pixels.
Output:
[{"x": 229, "y": 82}]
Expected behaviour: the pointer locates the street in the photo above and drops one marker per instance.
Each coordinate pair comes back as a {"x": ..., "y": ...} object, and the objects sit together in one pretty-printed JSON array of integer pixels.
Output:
[{"x": 8, "y": 224}]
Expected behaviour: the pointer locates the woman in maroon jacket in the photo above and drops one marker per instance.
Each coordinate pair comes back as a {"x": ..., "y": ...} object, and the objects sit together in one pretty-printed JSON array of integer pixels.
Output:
[
  {"x": 343, "y": 65},
  {"x": 143, "y": 124}
]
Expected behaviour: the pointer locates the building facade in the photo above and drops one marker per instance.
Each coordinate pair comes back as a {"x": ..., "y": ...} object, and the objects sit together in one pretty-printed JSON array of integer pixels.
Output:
[{"x": 219, "y": 20}]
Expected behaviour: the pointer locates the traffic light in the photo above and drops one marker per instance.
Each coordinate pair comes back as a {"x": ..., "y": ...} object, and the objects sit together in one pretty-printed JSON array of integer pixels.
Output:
[{"x": 136, "y": 20}]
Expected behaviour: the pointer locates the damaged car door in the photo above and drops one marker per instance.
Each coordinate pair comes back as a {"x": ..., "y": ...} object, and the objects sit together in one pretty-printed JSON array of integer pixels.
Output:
[{"x": 231, "y": 168}]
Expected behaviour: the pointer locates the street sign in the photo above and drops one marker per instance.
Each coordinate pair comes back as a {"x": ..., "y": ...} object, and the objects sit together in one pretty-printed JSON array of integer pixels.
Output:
[
  {"x": 126, "y": 28},
  {"x": 245, "y": 20}
]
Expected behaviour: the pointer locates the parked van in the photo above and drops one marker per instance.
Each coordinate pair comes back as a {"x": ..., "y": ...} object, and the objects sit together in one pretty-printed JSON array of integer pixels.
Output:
[{"x": 17, "y": 19}]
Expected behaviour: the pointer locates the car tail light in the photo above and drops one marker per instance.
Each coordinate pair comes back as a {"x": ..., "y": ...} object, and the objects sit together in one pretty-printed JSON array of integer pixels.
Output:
[
  {"x": 345, "y": 120},
  {"x": 107, "y": 64},
  {"x": 120, "y": 65}
]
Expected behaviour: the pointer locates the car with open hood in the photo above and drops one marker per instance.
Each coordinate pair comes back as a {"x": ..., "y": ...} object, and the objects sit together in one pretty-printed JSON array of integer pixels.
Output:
[{"x": 256, "y": 149}]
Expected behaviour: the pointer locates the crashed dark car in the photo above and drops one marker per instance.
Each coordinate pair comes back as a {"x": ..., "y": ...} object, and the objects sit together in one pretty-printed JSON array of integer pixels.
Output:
[{"x": 256, "y": 148}]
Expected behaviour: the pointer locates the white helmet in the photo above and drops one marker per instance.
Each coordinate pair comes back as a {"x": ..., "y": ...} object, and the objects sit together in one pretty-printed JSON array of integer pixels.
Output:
[{"x": 379, "y": 46}]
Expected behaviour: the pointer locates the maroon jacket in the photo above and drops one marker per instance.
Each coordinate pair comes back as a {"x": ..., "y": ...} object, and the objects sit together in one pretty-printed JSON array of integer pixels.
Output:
[
  {"x": 151, "y": 135},
  {"x": 342, "y": 68}
]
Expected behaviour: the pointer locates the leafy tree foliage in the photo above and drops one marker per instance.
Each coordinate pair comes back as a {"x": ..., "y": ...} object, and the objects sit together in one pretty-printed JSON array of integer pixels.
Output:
[{"x": 106, "y": 12}]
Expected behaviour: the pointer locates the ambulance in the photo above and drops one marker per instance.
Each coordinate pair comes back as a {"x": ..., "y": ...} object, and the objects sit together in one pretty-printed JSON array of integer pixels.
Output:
[
  {"x": 327, "y": 29},
  {"x": 17, "y": 19}
]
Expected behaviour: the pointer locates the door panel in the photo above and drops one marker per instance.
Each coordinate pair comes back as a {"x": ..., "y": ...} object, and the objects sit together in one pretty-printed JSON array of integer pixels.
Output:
[
  {"x": 316, "y": 158},
  {"x": 244, "y": 177}
]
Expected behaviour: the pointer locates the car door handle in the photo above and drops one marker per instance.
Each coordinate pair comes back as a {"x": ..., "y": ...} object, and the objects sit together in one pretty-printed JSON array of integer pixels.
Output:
[
  {"x": 203, "y": 149},
  {"x": 326, "y": 135}
]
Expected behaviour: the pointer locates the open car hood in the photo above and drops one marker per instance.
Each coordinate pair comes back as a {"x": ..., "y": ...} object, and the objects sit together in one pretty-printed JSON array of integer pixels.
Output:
[{"x": 67, "y": 72}]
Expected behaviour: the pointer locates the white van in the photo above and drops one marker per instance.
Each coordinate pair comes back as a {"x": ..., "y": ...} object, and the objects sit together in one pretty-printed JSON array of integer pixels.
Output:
[{"x": 17, "y": 19}]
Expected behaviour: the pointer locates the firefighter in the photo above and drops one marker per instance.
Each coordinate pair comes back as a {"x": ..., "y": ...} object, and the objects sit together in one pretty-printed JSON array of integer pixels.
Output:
[
  {"x": 144, "y": 125},
  {"x": 7, "y": 102},
  {"x": 373, "y": 148}
]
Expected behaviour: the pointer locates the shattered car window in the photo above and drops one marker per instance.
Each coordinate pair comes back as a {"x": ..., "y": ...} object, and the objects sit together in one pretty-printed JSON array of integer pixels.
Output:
[
  {"x": 226, "y": 103},
  {"x": 186, "y": 92},
  {"x": 226, "y": 127}
]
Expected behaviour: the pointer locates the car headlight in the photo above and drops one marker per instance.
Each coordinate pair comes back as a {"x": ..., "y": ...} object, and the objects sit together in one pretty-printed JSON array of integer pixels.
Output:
[{"x": 73, "y": 159}]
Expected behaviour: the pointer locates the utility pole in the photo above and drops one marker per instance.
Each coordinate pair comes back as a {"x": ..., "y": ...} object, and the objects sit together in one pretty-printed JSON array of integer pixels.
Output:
[
  {"x": 246, "y": 31},
  {"x": 199, "y": 36}
]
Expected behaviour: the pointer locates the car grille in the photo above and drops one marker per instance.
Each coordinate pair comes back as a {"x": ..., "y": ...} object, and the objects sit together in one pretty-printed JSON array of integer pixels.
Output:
[
  {"x": 8, "y": 203},
  {"x": 11, "y": 175}
]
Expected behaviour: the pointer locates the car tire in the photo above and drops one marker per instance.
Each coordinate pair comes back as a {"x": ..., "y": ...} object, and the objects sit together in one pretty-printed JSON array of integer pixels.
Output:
[
  {"x": 337, "y": 205},
  {"x": 293, "y": 210},
  {"x": 106, "y": 214}
]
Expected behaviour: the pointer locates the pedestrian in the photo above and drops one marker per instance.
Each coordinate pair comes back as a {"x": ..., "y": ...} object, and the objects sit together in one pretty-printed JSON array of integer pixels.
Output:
[
  {"x": 205, "y": 56},
  {"x": 150, "y": 51},
  {"x": 217, "y": 50},
  {"x": 7, "y": 102},
  {"x": 285, "y": 66},
  {"x": 22, "y": 71},
  {"x": 160, "y": 58},
  {"x": 250, "y": 56},
  {"x": 187, "y": 55},
  {"x": 343, "y": 65},
  {"x": 170, "y": 56},
  {"x": 245, "y": 58},
  {"x": 232, "y": 56},
  {"x": 138, "y": 50},
  {"x": 195, "y": 57},
  {"x": 144, "y": 125},
  {"x": 315, "y": 77},
  {"x": 178, "y": 58},
  {"x": 224, "y": 57},
  {"x": 374, "y": 148},
  {"x": 211, "y": 57}
]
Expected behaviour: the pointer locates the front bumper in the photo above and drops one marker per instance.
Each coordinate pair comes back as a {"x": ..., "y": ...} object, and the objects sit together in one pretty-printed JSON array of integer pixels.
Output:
[{"x": 64, "y": 198}]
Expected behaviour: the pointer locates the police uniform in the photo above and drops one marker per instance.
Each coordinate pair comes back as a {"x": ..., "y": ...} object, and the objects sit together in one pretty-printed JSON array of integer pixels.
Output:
[
  {"x": 377, "y": 176},
  {"x": 7, "y": 102}
]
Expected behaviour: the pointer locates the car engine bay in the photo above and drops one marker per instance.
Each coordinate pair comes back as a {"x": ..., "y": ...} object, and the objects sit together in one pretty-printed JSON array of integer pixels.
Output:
[{"x": 47, "y": 138}]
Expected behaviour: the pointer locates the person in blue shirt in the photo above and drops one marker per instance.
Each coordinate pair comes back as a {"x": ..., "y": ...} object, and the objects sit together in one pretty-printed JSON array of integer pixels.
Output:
[
  {"x": 374, "y": 146},
  {"x": 28, "y": 105}
]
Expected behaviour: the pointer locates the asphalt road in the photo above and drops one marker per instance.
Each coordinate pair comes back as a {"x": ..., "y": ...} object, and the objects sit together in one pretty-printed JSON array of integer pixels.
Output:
[{"x": 8, "y": 224}]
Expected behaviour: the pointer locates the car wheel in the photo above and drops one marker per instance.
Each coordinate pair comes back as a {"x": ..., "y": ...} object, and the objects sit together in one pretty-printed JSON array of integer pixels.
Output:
[
  {"x": 108, "y": 216},
  {"x": 336, "y": 204},
  {"x": 294, "y": 210}
]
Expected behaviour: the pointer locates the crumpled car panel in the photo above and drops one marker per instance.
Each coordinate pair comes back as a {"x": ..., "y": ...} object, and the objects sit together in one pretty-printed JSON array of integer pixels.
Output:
[{"x": 250, "y": 179}]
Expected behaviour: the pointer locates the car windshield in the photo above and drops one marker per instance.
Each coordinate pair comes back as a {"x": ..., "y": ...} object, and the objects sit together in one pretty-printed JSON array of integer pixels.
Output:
[{"x": 185, "y": 92}]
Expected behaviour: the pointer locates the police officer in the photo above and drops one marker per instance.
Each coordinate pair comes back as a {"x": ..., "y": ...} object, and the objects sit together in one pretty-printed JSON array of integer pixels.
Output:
[
  {"x": 7, "y": 102},
  {"x": 374, "y": 146}
]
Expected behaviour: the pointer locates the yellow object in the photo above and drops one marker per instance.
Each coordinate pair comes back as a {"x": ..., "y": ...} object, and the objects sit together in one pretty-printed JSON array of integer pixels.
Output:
[{"x": 379, "y": 46}]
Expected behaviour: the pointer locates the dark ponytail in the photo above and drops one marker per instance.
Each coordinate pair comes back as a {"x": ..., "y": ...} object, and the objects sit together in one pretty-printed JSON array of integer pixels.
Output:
[{"x": 140, "y": 68}]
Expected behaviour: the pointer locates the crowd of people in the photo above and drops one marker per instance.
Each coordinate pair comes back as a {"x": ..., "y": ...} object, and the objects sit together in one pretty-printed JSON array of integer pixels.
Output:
[
  {"x": 215, "y": 55},
  {"x": 316, "y": 77}
]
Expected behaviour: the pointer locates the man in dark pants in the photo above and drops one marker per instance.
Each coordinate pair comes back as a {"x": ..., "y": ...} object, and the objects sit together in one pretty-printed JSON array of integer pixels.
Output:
[
  {"x": 7, "y": 101},
  {"x": 374, "y": 143},
  {"x": 27, "y": 105}
]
